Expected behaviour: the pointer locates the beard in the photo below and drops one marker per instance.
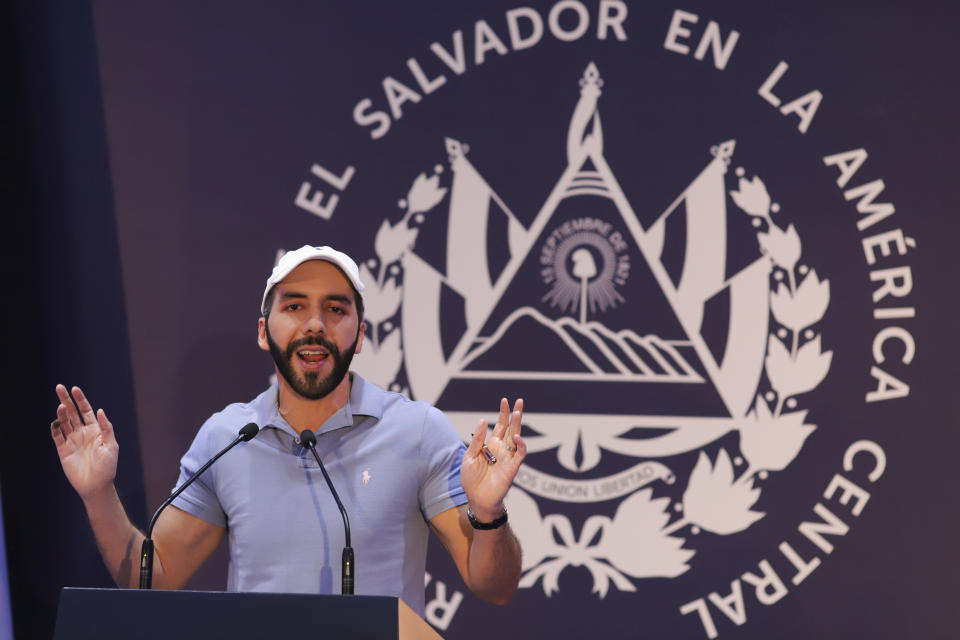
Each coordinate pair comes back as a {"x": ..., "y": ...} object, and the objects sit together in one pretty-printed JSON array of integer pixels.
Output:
[{"x": 309, "y": 384}]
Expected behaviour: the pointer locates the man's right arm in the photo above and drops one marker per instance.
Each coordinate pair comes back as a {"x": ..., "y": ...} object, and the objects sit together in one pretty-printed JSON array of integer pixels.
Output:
[{"x": 88, "y": 452}]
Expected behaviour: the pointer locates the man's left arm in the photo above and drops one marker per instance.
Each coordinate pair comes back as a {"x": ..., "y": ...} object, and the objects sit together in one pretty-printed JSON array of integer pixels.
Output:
[{"x": 488, "y": 559}]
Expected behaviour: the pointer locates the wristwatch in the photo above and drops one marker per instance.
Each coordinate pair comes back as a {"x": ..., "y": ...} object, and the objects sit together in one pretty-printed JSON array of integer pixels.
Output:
[{"x": 486, "y": 526}]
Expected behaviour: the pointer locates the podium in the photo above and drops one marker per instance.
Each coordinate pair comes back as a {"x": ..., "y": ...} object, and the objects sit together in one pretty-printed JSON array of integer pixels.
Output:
[{"x": 107, "y": 614}]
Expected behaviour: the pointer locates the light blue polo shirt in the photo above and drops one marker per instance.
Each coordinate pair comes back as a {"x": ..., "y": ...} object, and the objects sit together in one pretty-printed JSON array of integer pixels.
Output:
[{"x": 395, "y": 463}]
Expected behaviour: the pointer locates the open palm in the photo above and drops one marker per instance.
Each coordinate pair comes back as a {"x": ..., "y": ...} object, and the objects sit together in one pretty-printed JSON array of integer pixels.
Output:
[
  {"x": 85, "y": 443},
  {"x": 485, "y": 482}
]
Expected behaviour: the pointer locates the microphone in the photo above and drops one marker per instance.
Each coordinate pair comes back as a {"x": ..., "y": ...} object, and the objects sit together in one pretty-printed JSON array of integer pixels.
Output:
[
  {"x": 309, "y": 440},
  {"x": 247, "y": 433}
]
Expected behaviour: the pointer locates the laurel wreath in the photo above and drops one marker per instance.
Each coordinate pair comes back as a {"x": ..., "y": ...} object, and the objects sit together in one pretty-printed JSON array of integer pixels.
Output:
[
  {"x": 640, "y": 541},
  {"x": 381, "y": 360}
]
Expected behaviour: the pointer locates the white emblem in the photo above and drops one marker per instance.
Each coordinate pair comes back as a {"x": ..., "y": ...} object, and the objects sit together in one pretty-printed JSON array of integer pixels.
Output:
[
  {"x": 365, "y": 478},
  {"x": 620, "y": 305}
]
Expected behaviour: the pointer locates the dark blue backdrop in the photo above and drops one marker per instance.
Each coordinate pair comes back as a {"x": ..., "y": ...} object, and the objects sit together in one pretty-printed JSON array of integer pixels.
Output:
[{"x": 173, "y": 142}]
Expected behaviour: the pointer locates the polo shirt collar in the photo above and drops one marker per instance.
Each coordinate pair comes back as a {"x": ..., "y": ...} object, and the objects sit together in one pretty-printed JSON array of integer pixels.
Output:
[{"x": 366, "y": 399}]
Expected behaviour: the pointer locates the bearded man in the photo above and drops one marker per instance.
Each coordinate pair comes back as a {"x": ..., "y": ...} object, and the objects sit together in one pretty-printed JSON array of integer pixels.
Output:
[{"x": 399, "y": 466}]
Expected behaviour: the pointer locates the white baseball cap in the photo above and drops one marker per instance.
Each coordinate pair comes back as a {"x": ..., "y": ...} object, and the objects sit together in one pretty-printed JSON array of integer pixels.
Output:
[{"x": 293, "y": 259}]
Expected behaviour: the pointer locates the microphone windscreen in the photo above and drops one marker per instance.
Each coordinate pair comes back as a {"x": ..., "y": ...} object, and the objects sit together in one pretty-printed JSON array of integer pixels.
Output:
[
  {"x": 307, "y": 438},
  {"x": 248, "y": 431}
]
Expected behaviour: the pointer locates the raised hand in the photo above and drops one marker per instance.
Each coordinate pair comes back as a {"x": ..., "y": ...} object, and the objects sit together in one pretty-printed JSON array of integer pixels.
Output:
[
  {"x": 85, "y": 443},
  {"x": 485, "y": 482}
]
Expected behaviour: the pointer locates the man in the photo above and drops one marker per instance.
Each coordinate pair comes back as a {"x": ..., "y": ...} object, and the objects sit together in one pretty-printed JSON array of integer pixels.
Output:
[{"x": 399, "y": 466}]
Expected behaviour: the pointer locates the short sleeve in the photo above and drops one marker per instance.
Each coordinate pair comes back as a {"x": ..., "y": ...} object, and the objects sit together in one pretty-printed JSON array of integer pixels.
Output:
[
  {"x": 441, "y": 454},
  {"x": 199, "y": 499}
]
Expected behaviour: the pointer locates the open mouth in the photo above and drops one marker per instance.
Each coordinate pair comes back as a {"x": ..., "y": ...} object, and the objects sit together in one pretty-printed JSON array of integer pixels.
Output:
[{"x": 313, "y": 357}]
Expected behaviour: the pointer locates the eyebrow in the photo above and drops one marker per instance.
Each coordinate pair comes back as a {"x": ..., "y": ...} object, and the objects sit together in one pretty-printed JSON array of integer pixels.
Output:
[
  {"x": 333, "y": 297},
  {"x": 339, "y": 297}
]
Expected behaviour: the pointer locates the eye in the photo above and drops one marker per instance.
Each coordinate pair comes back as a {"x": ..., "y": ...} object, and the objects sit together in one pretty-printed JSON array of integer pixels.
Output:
[{"x": 293, "y": 306}]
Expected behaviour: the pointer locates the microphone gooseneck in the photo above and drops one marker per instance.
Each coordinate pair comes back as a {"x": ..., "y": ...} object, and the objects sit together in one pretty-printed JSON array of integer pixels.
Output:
[
  {"x": 246, "y": 434},
  {"x": 309, "y": 440}
]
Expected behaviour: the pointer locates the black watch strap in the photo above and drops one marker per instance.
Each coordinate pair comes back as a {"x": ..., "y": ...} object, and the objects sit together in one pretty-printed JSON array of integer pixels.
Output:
[{"x": 486, "y": 526}]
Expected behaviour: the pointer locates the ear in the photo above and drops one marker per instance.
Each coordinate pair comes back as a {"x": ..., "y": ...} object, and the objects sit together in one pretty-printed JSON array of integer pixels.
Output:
[
  {"x": 360, "y": 332},
  {"x": 262, "y": 334}
]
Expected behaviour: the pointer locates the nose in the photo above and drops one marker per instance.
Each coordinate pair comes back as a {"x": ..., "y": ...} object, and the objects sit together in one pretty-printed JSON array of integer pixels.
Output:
[{"x": 314, "y": 323}]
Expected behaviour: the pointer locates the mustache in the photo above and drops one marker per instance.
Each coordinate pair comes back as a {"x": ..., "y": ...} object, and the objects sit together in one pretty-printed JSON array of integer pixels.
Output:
[{"x": 319, "y": 341}]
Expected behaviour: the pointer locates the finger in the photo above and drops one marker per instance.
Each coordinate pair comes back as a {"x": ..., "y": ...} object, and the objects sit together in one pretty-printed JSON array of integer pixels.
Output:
[
  {"x": 63, "y": 417},
  {"x": 86, "y": 411},
  {"x": 516, "y": 420},
  {"x": 477, "y": 441},
  {"x": 518, "y": 451},
  {"x": 503, "y": 419},
  {"x": 56, "y": 433},
  {"x": 106, "y": 427},
  {"x": 67, "y": 403},
  {"x": 521, "y": 452}
]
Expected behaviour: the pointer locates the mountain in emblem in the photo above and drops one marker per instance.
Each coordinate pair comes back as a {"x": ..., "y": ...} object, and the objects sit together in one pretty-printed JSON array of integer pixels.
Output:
[{"x": 567, "y": 348}]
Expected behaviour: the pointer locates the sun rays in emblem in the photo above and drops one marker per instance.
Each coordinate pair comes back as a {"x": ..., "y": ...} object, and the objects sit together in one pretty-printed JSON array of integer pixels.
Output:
[{"x": 583, "y": 269}]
